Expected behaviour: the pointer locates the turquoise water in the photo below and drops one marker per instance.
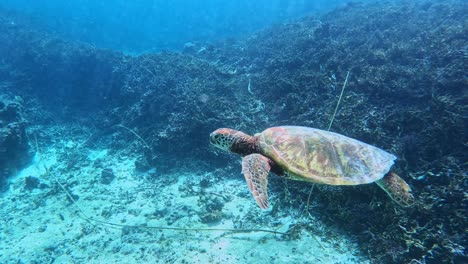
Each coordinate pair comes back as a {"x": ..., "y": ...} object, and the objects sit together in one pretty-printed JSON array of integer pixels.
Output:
[{"x": 154, "y": 25}]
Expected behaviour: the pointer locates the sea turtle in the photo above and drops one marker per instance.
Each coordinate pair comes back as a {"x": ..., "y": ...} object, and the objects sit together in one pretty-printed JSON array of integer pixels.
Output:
[{"x": 313, "y": 155}]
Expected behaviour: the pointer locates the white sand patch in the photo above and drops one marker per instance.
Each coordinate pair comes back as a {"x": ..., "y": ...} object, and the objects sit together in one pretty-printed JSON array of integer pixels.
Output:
[{"x": 42, "y": 225}]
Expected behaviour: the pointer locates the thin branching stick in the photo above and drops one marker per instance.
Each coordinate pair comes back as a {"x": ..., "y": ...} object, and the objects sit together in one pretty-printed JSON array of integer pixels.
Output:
[
  {"x": 329, "y": 127},
  {"x": 339, "y": 100},
  {"x": 135, "y": 133},
  {"x": 84, "y": 216}
]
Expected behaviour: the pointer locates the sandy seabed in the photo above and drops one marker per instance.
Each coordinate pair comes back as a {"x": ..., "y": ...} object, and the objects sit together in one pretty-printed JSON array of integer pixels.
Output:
[{"x": 115, "y": 220}]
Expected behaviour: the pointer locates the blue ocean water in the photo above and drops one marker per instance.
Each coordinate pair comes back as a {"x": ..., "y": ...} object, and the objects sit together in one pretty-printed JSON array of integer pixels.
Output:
[
  {"x": 188, "y": 131},
  {"x": 154, "y": 25}
]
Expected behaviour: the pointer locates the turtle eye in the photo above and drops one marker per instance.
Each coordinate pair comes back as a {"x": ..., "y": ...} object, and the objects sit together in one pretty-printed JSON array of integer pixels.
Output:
[{"x": 215, "y": 138}]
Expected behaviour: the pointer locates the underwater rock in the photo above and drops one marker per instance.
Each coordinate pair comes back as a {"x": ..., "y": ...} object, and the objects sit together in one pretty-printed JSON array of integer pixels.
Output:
[
  {"x": 211, "y": 217},
  {"x": 212, "y": 207},
  {"x": 107, "y": 176},
  {"x": 141, "y": 164},
  {"x": 14, "y": 147},
  {"x": 205, "y": 183},
  {"x": 31, "y": 183}
]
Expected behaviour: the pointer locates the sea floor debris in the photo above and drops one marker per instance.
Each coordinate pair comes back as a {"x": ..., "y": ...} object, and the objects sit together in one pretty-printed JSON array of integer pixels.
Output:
[{"x": 41, "y": 224}]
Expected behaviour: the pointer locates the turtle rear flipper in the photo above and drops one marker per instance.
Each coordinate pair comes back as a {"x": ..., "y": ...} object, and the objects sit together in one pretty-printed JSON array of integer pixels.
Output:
[
  {"x": 397, "y": 189},
  {"x": 255, "y": 168}
]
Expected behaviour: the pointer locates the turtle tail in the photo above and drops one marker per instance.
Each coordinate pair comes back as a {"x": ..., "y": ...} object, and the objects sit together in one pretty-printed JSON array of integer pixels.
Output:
[{"x": 397, "y": 189}]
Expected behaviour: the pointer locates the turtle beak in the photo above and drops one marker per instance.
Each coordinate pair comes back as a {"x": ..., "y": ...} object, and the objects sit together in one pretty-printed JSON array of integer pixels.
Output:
[{"x": 213, "y": 139}]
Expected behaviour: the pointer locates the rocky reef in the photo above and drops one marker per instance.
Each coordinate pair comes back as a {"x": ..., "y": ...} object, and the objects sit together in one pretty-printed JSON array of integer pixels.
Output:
[
  {"x": 14, "y": 144},
  {"x": 406, "y": 93}
]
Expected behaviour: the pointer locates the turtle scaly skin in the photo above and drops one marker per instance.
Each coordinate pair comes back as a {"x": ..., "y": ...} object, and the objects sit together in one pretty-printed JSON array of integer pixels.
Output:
[
  {"x": 397, "y": 189},
  {"x": 313, "y": 155}
]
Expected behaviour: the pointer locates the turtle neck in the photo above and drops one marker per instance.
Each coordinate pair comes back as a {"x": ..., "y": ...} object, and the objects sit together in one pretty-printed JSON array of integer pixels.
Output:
[{"x": 245, "y": 145}]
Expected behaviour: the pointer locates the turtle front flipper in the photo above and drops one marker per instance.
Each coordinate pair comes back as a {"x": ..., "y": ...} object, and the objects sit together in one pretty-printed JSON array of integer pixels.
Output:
[
  {"x": 255, "y": 168},
  {"x": 397, "y": 189}
]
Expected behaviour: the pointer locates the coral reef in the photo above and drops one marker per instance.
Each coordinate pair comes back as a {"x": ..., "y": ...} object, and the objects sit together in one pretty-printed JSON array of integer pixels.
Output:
[
  {"x": 406, "y": 93},
  {"x": 63, "y": 74}
]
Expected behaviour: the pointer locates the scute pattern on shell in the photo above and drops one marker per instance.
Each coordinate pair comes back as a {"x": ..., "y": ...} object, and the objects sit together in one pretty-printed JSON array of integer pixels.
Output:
[{"x": 320, "y": 156}]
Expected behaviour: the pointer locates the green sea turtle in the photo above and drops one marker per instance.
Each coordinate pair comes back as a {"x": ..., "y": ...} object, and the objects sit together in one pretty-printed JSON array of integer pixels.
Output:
[{"x": 313, "y": 155}]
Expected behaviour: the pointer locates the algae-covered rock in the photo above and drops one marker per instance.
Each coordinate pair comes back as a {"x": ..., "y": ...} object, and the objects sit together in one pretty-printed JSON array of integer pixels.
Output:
[{"x": 14, "y": 147}]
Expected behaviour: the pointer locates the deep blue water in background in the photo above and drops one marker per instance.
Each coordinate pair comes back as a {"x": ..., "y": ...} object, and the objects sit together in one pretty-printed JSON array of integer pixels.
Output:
[{"x": 153, "y": 25}]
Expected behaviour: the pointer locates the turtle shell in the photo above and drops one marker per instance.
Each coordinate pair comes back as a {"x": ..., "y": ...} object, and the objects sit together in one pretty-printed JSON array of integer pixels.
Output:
[{"x": 320, "y": 156}]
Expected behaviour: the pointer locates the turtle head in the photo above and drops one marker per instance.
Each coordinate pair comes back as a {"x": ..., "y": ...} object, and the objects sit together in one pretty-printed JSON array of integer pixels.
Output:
[
  {"x": 224, "y": 138},
  {"x": 231, "y": 140}
]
